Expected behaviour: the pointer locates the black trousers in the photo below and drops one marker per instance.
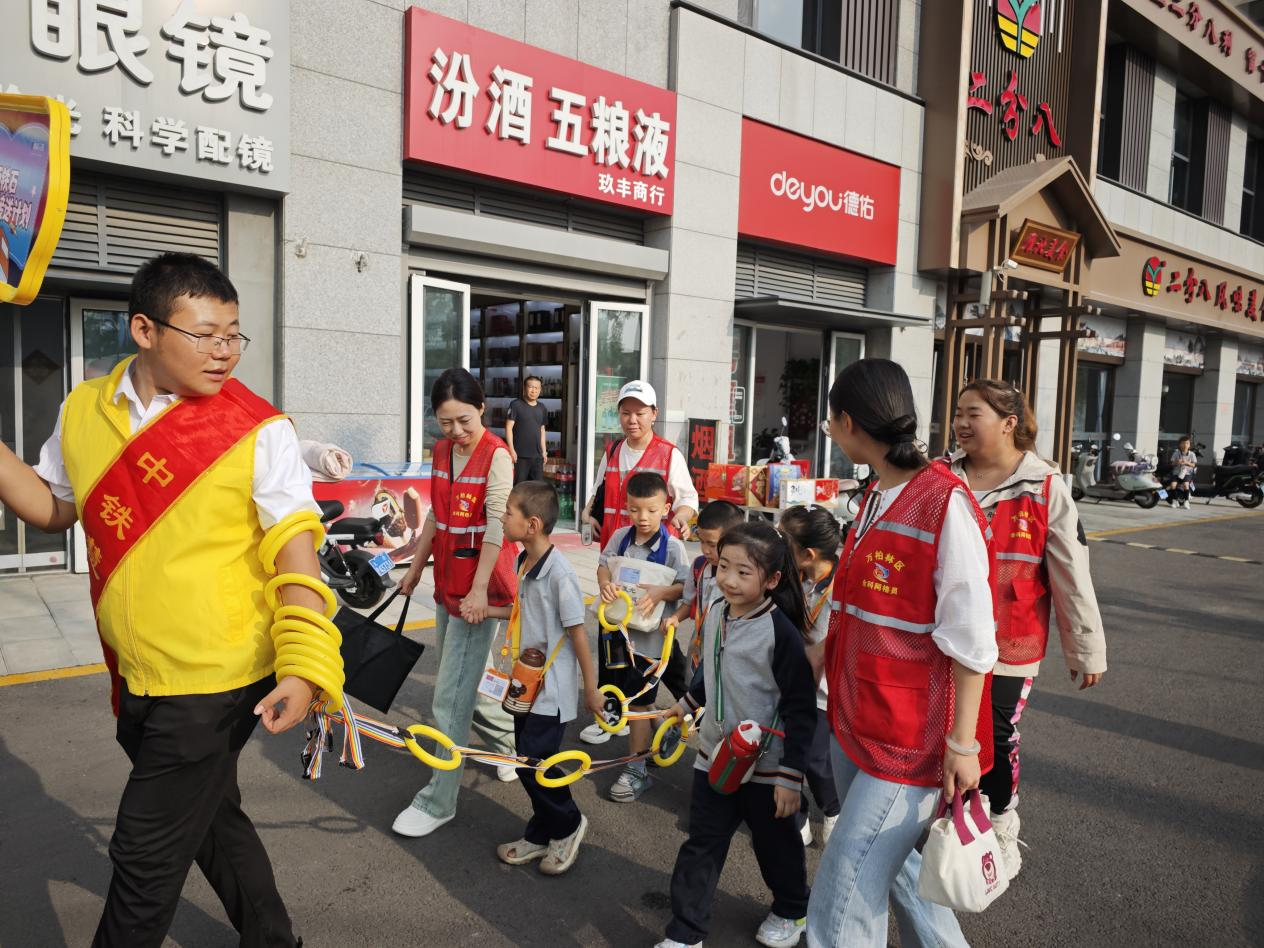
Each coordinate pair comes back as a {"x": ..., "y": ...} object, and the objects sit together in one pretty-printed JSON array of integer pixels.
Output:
[
  {"x": 554, "y": 813},
  {"x": 528, "y": 469},
  {"x": 818, "y": 774},
  {"x": 1009, "y": 700},
  {"x": 713, "y": 820},
  {"x": 182, "y": 804}
]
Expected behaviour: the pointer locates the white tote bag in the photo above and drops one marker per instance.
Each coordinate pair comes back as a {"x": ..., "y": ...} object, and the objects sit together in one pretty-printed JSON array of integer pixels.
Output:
[
  {"x": 628, "y": 574},
  {"x": 961, "y": 861}
]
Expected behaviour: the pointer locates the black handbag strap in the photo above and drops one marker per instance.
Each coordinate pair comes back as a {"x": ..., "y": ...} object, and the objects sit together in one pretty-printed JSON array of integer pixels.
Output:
[{"x": 403, "y": 613}]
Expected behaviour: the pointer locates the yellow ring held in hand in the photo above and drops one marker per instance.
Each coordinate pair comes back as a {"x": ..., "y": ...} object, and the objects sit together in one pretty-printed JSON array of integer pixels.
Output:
[
  {"x": 304, "y": 614},
  {"x": 270, "y": 591},
  {"x": 601, "y": 611},
  {"x": 299, "y": 522},
  {"x": 316, "y": 634},
  {"x": 330, "y": 686},
  {"x": 419, "y": 731},
  {"x": 563, "y": 757},
  {"x": 614, "y": 692},
  {"x": 661, "y": 733}
]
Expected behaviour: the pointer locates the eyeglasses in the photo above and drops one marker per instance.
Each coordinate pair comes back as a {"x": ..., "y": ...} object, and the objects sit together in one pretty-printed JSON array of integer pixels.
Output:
[{"x": 207, "y": 343}]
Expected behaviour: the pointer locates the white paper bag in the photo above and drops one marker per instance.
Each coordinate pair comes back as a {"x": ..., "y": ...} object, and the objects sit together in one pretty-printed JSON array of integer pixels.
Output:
[
  {"x": 961, "y": 861},
  {"x": 627, "y": 574}
]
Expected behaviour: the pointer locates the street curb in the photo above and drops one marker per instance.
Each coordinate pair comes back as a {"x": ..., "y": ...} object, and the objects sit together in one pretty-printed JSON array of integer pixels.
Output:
[
  {"x": 1100, "y": 534},
  {"x": 49, "y": 674}
]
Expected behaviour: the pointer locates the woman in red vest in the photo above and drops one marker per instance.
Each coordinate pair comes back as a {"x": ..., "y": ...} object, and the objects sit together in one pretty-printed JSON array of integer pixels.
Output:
[
  {"x": 911, "y": 640},
  {"x": 471, "y": 476},
  {"x": 1041, "y": 560}
]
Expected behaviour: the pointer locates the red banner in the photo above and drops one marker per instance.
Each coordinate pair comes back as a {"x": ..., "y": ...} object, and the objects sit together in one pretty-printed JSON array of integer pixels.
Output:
[
  {"x": 482, "y": 103},
  {"x": 803, "y": 193}
]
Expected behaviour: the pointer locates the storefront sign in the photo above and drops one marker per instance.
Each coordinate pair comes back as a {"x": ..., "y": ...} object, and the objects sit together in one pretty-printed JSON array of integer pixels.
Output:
[
  {"x": 482, "y": 103},
  {"x": 34, "y": 185},
  {"x": 702, "y": 432},
  {"x": 184, "y": 87},
  {"x": 402, "y": 491},
  {"x": 1187, "y": 284},
  {"x": 803, "y": 193},
  {"x": 1110, "y": 336},
  {"x": 1044, "y": 247},
  {"x": 1213, "y": 32}
]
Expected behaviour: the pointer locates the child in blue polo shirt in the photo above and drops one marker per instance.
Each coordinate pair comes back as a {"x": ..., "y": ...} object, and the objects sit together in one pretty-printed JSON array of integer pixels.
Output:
[{"x": 550, "y": 616}]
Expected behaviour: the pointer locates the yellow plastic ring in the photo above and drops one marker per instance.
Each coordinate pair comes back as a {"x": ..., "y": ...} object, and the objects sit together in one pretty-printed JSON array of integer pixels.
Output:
[
  {"x": 661, "y": 733},
  {"x": 270, "y": 595},
  {"x": 304, "y": 614},
  {"x": 563, "y": 757},
  {"x": 614, "y": 692},
  {"x": 601, "y": 611},
  {"x": 292, "y": 526},
  {"x": 423, "y": 755},
  {"x": 316, "y": 633},
  {"x": 330, "y": 686},
  {"x": 669, "y": 639},
  {"x": 319, "y": 661}
]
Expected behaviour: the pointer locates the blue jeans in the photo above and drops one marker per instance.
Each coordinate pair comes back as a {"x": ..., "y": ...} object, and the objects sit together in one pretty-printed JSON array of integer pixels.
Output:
[
  {"x": 457, "y": 704},
  {"x": 869, "y": 861}
]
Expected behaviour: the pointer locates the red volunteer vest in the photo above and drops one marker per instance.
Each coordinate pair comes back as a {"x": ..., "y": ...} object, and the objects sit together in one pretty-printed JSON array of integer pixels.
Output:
[
  {"x": 891, "y": 693},
  {"x": 656, "y": 460},
  {"x": 1020, "y": 527},
  {"x": 460, "y": 516}
]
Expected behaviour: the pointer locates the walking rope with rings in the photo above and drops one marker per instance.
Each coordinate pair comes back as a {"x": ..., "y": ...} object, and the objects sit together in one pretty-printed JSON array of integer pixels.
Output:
[{"x": 307, "y": 645}]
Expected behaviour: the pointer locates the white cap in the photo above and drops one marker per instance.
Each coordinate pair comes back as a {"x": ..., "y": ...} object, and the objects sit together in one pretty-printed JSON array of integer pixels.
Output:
[{"x": 643, "y": 392}]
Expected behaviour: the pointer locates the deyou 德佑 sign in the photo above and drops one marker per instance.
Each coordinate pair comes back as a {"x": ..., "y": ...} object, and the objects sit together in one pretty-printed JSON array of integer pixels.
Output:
[
  {"x": 804, "y": 193},
  {"x": 34, "y": 189}
]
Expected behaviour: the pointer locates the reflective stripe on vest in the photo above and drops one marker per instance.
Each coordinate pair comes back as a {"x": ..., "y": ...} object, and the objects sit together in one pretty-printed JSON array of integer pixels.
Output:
[
  {"x": 889, "y": 621},
  {"x": 905, "y": 530},
  {"x": 1020, "y": 557}
]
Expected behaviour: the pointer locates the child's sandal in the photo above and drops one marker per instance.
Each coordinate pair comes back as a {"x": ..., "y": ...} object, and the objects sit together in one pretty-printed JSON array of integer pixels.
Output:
[{"x": 520, "y": 852}]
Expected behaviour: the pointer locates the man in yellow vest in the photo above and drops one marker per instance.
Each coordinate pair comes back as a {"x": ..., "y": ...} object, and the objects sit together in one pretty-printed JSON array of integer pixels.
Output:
[{"x": 181, "y": 477}]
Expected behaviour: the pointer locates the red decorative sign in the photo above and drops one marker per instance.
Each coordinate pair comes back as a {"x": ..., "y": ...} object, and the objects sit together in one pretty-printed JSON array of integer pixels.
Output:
[
  {"x": 1185, "y": 281},
  {"x": 1044, "y": 247},
  {"x": 482, "y": 103},
  {"x": 804, "y": 193},
  {"x": 701, "y": 451}
]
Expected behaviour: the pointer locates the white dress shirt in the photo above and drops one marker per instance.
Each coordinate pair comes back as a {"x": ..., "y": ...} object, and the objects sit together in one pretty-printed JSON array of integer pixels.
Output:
[
  {"x": 282, "y": 482},
  {"x": 965, "y": 627}
]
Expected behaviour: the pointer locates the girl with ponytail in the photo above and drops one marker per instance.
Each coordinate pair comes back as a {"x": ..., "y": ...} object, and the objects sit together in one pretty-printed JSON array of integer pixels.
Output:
[
  {"x": 911, "y": 639},
  {"x": 753, "y": 668}
]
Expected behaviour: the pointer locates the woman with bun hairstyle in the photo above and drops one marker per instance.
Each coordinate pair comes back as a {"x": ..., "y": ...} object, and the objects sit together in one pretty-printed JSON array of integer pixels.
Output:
[
  {"x": 911, "y": 641},
  {"x": 1041, "y": 561}
]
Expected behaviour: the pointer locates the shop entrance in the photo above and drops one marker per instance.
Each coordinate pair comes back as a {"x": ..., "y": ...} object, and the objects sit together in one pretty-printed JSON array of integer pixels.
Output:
[
  {"x": 583, "y": 351},
  {"x": 785, "y": 372}
]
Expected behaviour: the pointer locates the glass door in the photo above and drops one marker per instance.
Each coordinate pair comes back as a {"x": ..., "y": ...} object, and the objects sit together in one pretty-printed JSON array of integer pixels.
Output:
[
  {"x": 741, "y": 384},
  {"x": 33, "y": 383},
  {"x": 438, "y": 339},
  {"x": 1091, "y": 423},
  {"x": 616, "y": 351},
  {"x": 100, "y": 338},
  {"x": 845, "y": 348}
]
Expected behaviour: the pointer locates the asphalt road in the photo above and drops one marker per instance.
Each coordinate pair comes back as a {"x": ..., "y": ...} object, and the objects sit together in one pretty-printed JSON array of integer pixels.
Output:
[{"x": 1142, "y": 803}]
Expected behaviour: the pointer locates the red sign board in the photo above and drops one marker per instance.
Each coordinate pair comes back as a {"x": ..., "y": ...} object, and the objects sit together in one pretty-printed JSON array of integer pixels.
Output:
[
  {"x": 482, "y": 103},
  {"x": 804, "y": 193}
]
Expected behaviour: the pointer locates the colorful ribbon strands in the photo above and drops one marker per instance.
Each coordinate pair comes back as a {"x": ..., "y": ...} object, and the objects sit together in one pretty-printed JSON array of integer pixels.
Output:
[
  {"x": 307, "y": 643},
  {"x": 665, "y": 749}
]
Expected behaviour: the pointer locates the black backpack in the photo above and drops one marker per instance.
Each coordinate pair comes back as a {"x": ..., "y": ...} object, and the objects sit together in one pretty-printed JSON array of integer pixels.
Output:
[{"x": 597, "y": 511}]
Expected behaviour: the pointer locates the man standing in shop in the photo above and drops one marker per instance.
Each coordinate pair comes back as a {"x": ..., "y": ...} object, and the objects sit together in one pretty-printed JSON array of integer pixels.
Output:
[{"x": 525, "y": 432}]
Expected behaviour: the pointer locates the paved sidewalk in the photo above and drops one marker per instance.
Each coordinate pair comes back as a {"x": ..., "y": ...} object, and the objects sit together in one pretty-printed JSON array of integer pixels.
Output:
[{"x": 46, "y": 620}]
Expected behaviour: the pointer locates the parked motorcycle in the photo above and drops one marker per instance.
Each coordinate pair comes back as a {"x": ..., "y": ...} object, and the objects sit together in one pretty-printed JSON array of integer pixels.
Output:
[
  {"x": 359, "y": 577},
  {"x": 780, "y": 446},
  {"x": 1240, "y": 477},
  {"x": 1129, "y": 480}
]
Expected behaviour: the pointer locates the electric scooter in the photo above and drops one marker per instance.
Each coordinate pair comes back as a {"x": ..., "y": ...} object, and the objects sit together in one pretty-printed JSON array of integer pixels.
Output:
[
  {"x": 1240, "y": 477},
  {"x": 358, "y": 577},
  {"x": 1130, "y": 480}
]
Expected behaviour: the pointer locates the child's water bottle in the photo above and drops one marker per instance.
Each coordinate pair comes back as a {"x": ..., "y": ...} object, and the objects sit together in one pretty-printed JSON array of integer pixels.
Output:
[
  {"x": 586, "y": 533},
  {"x": 734, "y": 757}
]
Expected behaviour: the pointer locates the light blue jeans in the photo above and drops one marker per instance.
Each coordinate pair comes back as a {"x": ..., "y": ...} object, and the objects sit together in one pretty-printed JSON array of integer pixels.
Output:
[
  {"x": 869, "y": 861},
  {"x": 457, "y": 704}
]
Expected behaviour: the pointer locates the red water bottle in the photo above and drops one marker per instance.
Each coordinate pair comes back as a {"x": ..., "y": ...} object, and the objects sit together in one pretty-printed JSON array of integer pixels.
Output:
[{"x": 734, "y": 757}]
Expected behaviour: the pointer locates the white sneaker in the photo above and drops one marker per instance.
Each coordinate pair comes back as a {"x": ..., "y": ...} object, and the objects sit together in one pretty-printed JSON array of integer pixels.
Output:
[
  {"x": 1185, "y": 504},
  {"x": 562, "y": 852},
  {"x": 671, "y": 943},
  {"x": 1006, "y": 826},
  {"x": 827, "y": 830},
  {"x": 806, "y": 833},
  {"x": 506, "y": 774},
  {"x": 1172, "y": 504},
  {"x": 778, "y": 932},
  {"x": 596, "y": 734},
  {"x": 414, "y": 822}
]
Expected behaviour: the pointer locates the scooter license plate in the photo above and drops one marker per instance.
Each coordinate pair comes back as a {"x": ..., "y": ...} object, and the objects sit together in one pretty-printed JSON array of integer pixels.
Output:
[
  {"x": 1162, "y": 495},
  {"x": 382, "y": 563}
]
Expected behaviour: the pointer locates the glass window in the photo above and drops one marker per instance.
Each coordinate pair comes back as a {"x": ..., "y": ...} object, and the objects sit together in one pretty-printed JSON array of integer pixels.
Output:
[
  {"x": 1180, "y": 192},
  {"x": 443, "y": 312},
  {"x": 812, "y": 25},
  {"x": 1176, "y": 410},
  {"x": 1109, "y": 119},
  {"x": 1252, "y": 216},
  {"x": 739, "y": 394},
  {"x": 1091, "y": 421},
  {"x": 1245, "y": 396}
]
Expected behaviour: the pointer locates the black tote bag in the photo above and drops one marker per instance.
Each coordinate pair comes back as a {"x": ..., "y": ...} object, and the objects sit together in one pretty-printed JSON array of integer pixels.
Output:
[{"x": 375, "y": 659}]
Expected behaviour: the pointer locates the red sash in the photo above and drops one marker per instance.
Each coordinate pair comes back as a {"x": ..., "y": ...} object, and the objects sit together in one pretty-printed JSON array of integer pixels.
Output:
[{"x": 152, "y": 471}]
